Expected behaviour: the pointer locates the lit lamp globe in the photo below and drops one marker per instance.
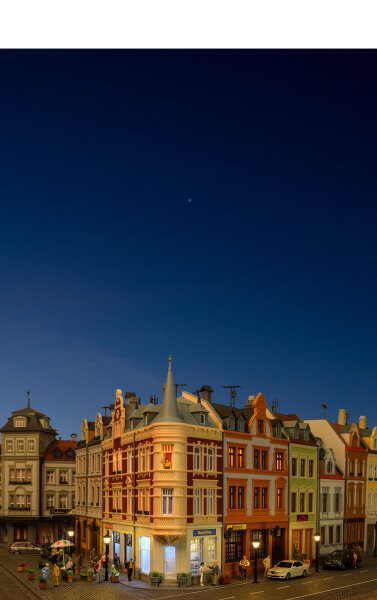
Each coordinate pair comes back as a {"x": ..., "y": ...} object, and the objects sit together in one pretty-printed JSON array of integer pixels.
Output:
[
  {"x": 317, "y": 538},
  {"x": 107, "y": 538},
  {"x": 71, "y": 533},
  {"x": 256, "y": 544}
]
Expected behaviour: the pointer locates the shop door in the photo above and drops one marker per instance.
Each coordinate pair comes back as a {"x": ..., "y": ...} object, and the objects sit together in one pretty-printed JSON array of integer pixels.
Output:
[
  {"x": 370, "y": 532},
  {"x": 20, "y": 532},
  {"x": 308, "y": 543},
  {"x": 127, "y": 547},
  {"x": 169, "y": 562},
  {"x": 278, "y": 548},
  {"x": 296, "y": 543}
]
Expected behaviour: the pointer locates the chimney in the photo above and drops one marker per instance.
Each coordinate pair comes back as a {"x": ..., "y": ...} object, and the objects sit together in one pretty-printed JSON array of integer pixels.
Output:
[
  {"x": 342, "y": 416},
  {"x": 362, "y": 422},
  {"x": 249, "y": 402},
  {"x": 73, "y": 436},
  {"x": 206, "y": 392}
]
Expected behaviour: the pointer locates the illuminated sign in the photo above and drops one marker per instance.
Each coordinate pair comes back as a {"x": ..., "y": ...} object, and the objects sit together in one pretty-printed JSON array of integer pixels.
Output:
[{"x": 201, "y": 532}]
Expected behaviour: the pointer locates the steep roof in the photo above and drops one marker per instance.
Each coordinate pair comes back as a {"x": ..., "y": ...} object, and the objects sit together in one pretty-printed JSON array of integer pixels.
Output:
[
  {"x": 33, "y": 421},
  {"x": 63, "y": 445},
  {"x": 169, "y": 412}
]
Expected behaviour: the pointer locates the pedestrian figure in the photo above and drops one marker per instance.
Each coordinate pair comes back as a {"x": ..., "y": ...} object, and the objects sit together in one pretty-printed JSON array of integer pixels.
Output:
[
  {"x": 130, "y": 568},
  {"x": 56, "y": 573},
  {"x": 116, "y": 561},
  {"x": 201, "y": 571},
  {"x": 94, "y": 562},
  {"x": 215, "y": 572},
  {"x": 99, "y": 571},
  {"x": 355, "y": 560},
  {"x": 45, "y": 571},
  {"x": 244, "y": 563},
  {"x": 267, "y": 564}
]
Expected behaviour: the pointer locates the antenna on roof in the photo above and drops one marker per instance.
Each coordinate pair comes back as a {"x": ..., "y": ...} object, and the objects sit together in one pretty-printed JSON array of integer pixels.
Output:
[
  {"x": 106, "y": 407},
  {"x": 28, "y": 398},
  {"x": 233, "y": 393},
  {"x": 177, "y": 385},
  {"x": 275, "y": 405},
  {"x": 347, "y": 417},
  {"x": 325, "y": 407}
]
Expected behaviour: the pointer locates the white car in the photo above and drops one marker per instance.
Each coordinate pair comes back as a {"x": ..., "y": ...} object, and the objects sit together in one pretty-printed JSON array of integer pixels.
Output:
[
  {"x": 23, "y": 547},
  {"x": 286, "y": 569}
]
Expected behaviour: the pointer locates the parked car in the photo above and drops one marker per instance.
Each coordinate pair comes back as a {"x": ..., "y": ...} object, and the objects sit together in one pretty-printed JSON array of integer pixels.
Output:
[
  {"x": 340, "y": 559},
  {"x": 286, "y": 569},
  {"x": 25, "y": 547}
]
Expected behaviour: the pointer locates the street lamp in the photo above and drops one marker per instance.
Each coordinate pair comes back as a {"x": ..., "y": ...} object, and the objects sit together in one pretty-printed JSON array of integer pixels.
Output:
[
  {"x": 317, "y": 538},
  {"x": 107, "y": 540},
  {"x": 71, "y": 533},
  {"x": 256, "y": 544}
]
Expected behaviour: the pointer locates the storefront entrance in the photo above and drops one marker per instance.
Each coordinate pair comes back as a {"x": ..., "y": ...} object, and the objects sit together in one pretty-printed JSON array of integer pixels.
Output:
[
  {"x": 169, "y": 562},
  {"x": 127, "y": 547},
  {"x": 20, "y": 532},
  {"x": 277, "y": 552}
]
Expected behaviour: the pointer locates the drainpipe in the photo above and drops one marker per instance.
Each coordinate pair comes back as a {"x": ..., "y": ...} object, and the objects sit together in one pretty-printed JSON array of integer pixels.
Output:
[
  {"x": 289, "y": 498},
  {"x": 134, "y": 499},
  {"x": 222, "y": 564},
  {"x": 345, "y": 500},
  {"x": 318, "y": 502}
]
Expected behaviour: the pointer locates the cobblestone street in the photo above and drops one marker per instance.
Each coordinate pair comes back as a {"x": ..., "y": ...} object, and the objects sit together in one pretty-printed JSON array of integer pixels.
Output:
[{"x": 358, "y": 585}]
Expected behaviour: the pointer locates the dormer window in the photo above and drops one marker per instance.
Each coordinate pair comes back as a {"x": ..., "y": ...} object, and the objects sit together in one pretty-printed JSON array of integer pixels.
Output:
[
  {"x": 57, "y": 453},
  {"x": 295, "y": 433},
  {"x": 231, "y": 422},
  {"x": 70, "y": 453},
  {"x": 260, "y": 426},
  {"x": 306, "y": 434},
  {"x": 202, "y": 418},
  {"x": 241, "y": 424},
  {"x": 20, "y": 422},
  {"x": 277, "y": 431},
  {"x": 329, "y": 467}
]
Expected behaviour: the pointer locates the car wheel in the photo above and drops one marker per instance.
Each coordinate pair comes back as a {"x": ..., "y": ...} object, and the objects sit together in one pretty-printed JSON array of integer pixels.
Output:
[
  {"x": 17, "y": 552},
  {"x": 343, "y": 567},
  {"x": 287, "y": 577},
  {"x": 304, "y": 573}
]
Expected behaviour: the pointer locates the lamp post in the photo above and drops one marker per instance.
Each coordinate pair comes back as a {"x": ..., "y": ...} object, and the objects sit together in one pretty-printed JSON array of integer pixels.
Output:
[
  {"x": 256, "y": 544},
  {"x": 70, "y": 534},
  {"x": 317, "y": 538},
  {"x": 107, "y": 540}
]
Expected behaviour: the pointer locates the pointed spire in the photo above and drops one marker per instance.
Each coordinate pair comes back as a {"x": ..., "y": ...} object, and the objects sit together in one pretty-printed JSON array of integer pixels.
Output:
[{"x": 169, "y": 412}]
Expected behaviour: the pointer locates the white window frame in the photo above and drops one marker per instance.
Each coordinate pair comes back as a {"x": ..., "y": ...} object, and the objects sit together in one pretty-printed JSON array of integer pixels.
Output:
[
  {"x": 211, "y": 496},
  {"x": 31, "y": 445},
  {"x": 167, "y": 501},
  {"x": 210, "y": 459},
  {"x": 197, "y": 501},
  {"x": 197, "y": 458},
  {"x": 20, "y": 421}
]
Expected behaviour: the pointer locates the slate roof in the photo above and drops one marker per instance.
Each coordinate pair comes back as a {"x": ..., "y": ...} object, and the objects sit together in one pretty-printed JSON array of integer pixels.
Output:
[
  {"x": 32, "y": 421},
  {"x": 63, "y": 445}
]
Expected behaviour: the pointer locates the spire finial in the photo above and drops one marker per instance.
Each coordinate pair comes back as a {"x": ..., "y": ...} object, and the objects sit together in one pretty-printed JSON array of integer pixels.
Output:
[{"x": 28, "y": 398}]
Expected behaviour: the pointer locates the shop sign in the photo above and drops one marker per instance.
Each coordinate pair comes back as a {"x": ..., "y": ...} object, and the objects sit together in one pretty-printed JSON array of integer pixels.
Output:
[
  {"x": 237, "y": 527},
  {"x": 108, "y": 525},
  {"x": 302, "y": 518},
  {"x": 201, "y": 532},
  {"x": 58, "y": 511}
]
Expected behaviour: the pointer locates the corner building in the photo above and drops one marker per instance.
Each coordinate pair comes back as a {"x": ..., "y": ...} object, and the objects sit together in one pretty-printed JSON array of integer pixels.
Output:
[{"x": 163, "y": 483}]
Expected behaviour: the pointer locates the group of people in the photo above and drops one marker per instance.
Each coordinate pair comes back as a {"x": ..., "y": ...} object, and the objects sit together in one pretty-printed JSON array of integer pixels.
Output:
[
  {"x": 99, "y": 565},
  {"x": 244, "y": 564}
]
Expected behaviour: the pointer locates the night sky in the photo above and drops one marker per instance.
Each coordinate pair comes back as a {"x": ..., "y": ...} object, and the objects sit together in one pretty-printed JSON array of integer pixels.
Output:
[{"x": 216, "y": 205}]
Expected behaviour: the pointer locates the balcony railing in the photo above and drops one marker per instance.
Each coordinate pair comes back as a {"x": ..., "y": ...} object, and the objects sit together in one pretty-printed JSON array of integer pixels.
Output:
[{"x": 19, "y": 481}]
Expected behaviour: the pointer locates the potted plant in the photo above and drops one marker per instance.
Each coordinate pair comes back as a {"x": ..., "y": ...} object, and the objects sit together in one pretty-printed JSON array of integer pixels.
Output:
[
  {"x": 83, "y": 575},
  {"x": 114, "y": 575},
  {"x": 42, "y": 583},
  {"x": 225, "y": 578},
  {"x": 89, "y": 574},
  {"x": 30, "y": 573},
  {"x": 76, "y": 569},
  {"x": 70, "y": 575},
  {"x": 182, "y": 579},
  {"x": 154, "y": 578},
  {"x": 20, "y": 566}
]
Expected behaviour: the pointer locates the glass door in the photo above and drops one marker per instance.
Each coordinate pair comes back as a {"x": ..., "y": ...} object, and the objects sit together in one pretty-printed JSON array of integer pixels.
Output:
[{"x": 169, "y": 562}]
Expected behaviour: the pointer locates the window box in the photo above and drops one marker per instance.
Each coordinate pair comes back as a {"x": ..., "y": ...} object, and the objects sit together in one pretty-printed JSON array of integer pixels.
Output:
[
  {"x": 139, "y": 512},
  {"x": 91, "y": 504},
  {"x": 146, "y": 512},
  {"x": 119, "y": 510}
]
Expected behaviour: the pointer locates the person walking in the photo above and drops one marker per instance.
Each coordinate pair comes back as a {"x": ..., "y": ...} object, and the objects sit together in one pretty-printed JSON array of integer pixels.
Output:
[
  {"x": 267, "y": 564},
  {"x": 130, "y": 568},
  {"x": 244, "y": 563},
  {"x": 215, "y": 572},
  {"x": 45, "y": 571},
  {"x": 201, "y": 571},
  {"x": 56, "y": 573},
  {"x": 99, "y": 571}
]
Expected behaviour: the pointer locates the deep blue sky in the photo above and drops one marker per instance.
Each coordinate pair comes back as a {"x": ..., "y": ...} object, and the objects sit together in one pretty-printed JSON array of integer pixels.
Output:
[{"x": 266, "y": 279}]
